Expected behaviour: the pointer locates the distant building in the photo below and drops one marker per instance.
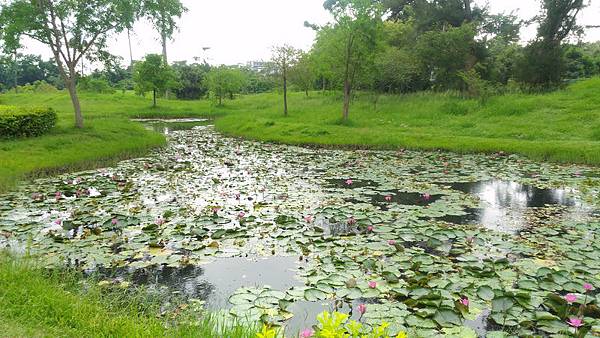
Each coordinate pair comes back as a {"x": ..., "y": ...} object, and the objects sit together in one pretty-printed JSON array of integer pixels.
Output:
[{"x": 257, "y": 66}]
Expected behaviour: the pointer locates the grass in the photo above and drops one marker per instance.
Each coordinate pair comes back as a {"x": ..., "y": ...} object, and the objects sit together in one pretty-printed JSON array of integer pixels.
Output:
[
  {"x": 36, "y": 303},
  {"x": 563, "y": 126},
  {"x": 107, "y": 137}
]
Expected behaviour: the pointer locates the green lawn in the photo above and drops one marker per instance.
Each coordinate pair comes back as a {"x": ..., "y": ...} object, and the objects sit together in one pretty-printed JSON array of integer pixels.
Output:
[
  {"x": 563, "y": 126},
  {"x": 34, "y": 303}
]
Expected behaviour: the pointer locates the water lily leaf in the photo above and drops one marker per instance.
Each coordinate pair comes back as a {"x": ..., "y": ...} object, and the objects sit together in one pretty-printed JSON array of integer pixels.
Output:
[
  {"x": 502, "y": 304},
  {"x": 446, "y": 317},
  {"x": 390, "y": 277},
  {"x": 313, "y": 295},
  {"x": 485, "y": 292}
]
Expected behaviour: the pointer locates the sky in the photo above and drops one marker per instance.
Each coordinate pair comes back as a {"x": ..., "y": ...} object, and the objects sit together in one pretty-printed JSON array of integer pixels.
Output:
[{"x": 237, "y": 31}]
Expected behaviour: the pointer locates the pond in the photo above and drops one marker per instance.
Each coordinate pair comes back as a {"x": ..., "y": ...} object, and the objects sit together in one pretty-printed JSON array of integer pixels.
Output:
[{"x": 280, "y": 233}]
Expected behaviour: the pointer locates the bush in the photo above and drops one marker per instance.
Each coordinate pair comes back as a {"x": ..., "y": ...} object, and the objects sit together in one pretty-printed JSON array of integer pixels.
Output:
[
  {"x": 95, "y": 85},
  {"x": 37, "y": 87},
  {"x": 25, "y": 122}
]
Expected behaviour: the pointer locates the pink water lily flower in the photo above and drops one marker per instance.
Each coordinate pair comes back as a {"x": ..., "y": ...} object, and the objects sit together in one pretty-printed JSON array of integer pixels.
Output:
[
  {"x": 588, "y": 287},
  {"x": 392, "y": 242},
  {"x": 426, "y": 197},
  {"x": 58, "y": 221},
  {"x": 372, "y": 284},
  {"x": 465, "y": 301},
  {"x": 159, "y": 221},
  {"x": 349, "y": 182},
  {"x": 362, "y": 308},
  {"x": 241, "y": 215},
  {"x": 307, "y": 333},
  {"x": 571, "y": 298},
  {"x": 114, "y": 221},
  {"x": 351, "y": 221},
  {"x": 370, "y": 228},
  {"x": 58, "y": 195},
  {"x": 215, "y": 209},
  {"x": 388, "y": 198},
  {"x": 308, "y": 219},
  {"x": 575, "y": 322}
]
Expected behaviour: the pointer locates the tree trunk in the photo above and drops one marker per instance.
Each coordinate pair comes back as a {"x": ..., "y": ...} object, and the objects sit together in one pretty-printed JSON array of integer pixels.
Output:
[
  {"x": 130, "y": 50},
  {"x": 164, "y": 53},
  {"x": 468, "y": 11},
  {"x": 164, "y": 47},
  {"x": 306, "y": 92},
  {"x": 323, "y": 84},
  {"x": 16, "y": 74},
  {"x": 154, "y": 98},
  {"x": 347, "y": 90},
  {"x": 285, "y": 106},
  {"x": 71, "y": 86},
  {"x": 220, "y": 100}
]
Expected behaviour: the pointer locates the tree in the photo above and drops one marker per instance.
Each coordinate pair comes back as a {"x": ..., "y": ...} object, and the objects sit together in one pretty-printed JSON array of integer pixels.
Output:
[
  {"x": 285, "y": 57},
  {"x": 192, "y": 80},
  {"x": 72, "y": 29},
  {"x": 162, "y": 14},
  {"x": 302, "y": 74},
  {"x": 446, "y": 53},
  {"x": 154, "y": 75},
  {"x": 223, "y": 81},
  {"x": 543, "y": 64},
  {"x": 348, "y": 45}
]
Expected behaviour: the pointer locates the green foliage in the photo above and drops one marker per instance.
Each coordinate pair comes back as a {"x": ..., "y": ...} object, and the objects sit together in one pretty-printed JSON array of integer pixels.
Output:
[
  {"x": 37, "y": 87},
  {"x": 95, "y": 85},
  {"x": 302, "y": 74},
  {"x": 162, "y": 14},
  {"x": 85, "y": 27},
  {"x": 348, "y": 46},
  {"x": 446, "y": 53},
  {"x": 192, "y": 80},
  {"x": 226, "y": 81},
  {"x": 541, "y": 66},
  {"x": 29, "y": 69},
  {"x": 154, "y": 75},
  {"x": 25, "y": 122},
  {"x": 476, "y": 86}
]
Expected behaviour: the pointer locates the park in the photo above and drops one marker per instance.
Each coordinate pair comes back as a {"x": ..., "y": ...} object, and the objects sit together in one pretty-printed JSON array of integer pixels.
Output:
[{"x": 418, "y": 168}]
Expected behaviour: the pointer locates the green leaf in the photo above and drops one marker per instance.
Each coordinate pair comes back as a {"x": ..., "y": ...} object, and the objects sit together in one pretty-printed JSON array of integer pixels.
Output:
[
  {"x": 485, "y": 292},
  {"x": 447, "y": 318}
]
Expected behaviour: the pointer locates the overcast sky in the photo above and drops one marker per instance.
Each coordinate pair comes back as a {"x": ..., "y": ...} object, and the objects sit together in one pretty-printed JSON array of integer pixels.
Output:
[{"x": 242, "y": 30}]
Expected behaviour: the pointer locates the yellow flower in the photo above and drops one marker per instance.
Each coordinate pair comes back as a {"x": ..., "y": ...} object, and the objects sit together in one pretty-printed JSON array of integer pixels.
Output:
[
  {"x": 266, "y": 332},
  {"x": 402, "y": 334}
]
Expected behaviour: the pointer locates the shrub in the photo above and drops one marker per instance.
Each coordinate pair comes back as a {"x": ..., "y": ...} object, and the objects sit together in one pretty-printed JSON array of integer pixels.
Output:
[
  {"x": 95, "y": 85},
  {"x": 37, "y": 87},
  {"x": 25, "y": 122}
]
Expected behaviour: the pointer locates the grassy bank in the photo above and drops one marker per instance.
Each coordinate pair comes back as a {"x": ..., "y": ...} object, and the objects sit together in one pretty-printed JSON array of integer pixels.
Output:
[
  {"x": 34, "y": 303},
  {"x": 107, "y": 136},
  {"x": 563, "y": 126}
]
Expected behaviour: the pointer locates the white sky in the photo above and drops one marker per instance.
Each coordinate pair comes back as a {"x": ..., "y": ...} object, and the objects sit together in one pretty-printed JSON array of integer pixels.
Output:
[{"x": 242, "y": 30}]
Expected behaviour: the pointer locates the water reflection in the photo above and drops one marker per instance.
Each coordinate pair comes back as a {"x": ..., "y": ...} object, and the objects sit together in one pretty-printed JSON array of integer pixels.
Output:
[
  {"x": 216, "y": 281},
  {"x": 167, "y": 126},
  {"x": 505, "y": 205}
]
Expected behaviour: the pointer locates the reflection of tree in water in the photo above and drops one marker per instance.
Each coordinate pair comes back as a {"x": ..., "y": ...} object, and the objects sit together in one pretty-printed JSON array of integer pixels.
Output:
[
  {"x": 505, "y": 204},
  {"x": 513, "y": 194},
  {"x": 186, "y": 281}
]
